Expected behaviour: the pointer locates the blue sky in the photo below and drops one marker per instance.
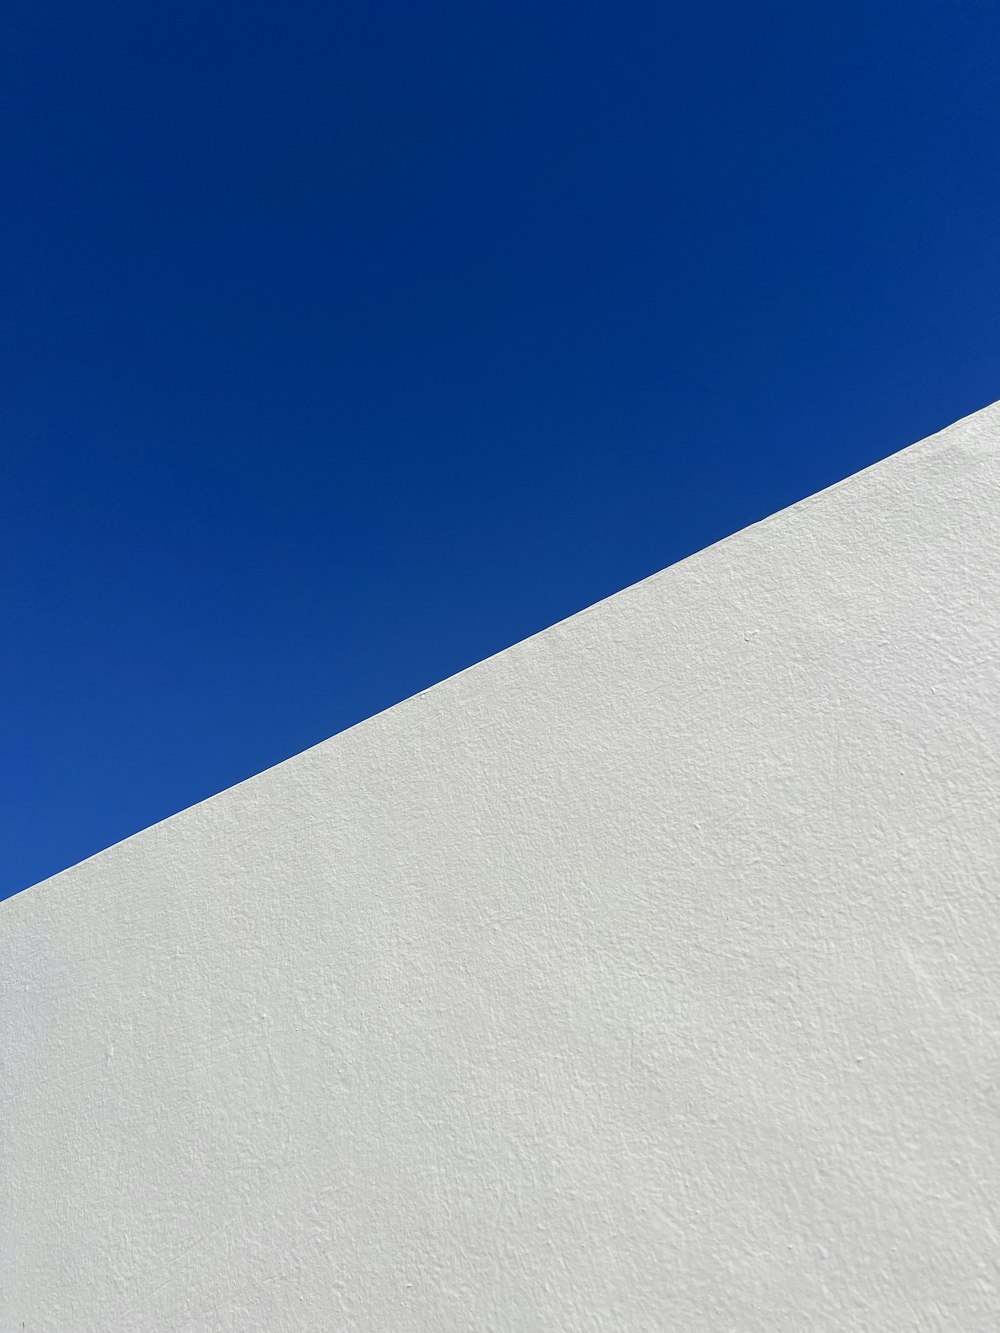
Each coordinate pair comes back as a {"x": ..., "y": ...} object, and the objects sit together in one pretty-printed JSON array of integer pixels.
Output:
[{"x": 346, "y": 344}]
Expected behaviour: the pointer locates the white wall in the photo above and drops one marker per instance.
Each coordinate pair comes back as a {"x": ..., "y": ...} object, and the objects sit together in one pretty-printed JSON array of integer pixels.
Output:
[{"x": 644, "y": 977}]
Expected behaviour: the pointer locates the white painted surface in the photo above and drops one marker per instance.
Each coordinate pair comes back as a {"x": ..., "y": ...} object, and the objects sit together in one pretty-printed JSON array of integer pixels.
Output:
[{"x": 644, "y": 977}]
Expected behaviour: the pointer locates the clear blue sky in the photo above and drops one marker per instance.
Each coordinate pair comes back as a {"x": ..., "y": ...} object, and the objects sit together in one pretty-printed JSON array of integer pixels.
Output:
[{"x": 345, "y": 344}]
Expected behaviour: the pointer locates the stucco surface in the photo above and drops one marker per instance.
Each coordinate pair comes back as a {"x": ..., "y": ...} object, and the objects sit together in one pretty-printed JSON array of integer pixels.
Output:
[{"x": 643, "y": 977}]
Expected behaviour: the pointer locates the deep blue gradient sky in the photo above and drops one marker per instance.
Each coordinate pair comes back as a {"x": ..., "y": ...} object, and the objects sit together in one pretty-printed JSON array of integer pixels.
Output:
[{"x": 345, "y": 344}]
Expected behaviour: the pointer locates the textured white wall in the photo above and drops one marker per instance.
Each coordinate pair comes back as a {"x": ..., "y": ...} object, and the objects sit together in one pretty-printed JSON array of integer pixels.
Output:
[{"x": 644, "y": 977}]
